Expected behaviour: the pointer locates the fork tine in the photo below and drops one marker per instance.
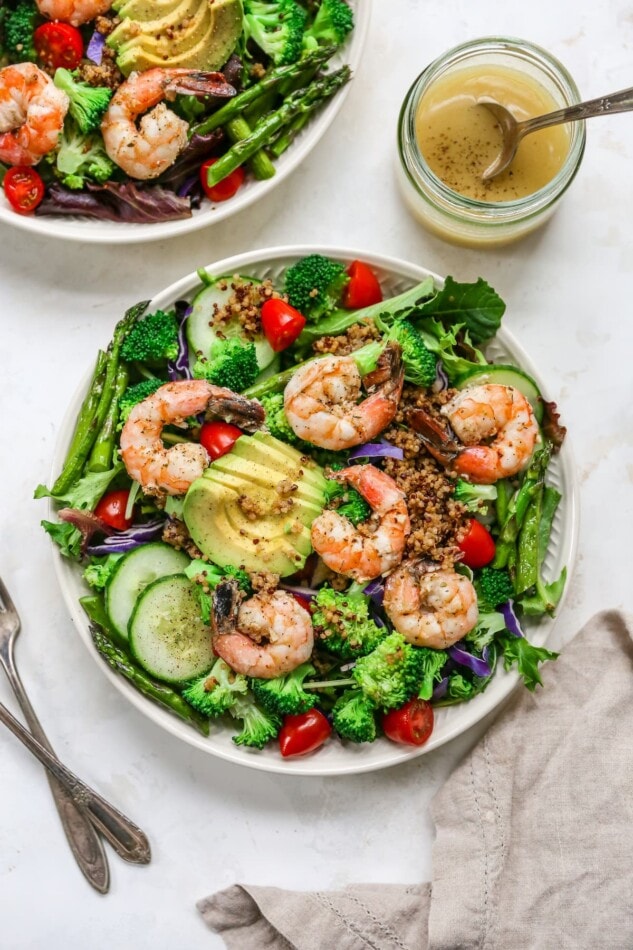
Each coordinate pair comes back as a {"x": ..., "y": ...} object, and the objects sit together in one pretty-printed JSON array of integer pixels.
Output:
[{"x": 6, "y": 604}]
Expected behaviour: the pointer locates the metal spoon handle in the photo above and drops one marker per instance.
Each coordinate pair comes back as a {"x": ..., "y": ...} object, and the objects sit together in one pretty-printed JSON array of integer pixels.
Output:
[
  {"x": 606, "y": 105},
  {"x": 126, "y": 838},
  {"x": 85, "y": 843}
]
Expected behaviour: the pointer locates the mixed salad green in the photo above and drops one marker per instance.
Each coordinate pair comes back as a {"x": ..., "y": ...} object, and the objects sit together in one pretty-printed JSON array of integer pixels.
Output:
[
  {"x": 162, "y": 564},
  {"x": 138, "y": 113}
]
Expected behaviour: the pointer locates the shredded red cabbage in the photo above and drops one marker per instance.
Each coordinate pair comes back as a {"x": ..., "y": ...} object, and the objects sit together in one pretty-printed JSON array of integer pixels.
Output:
[
  {"x": 122, "y": 541},
  {"x": 308, "y": 592},
  {"x": 94, "y": 50},
  {"x": 441, "y": 379},
  {"x": 478, "y": 665},
  {"x": 439, "y": 691},
  {"x": 179, "y": 368},
  {"x": 374, "y": 450},
  {"x": 511, "y": 619},
  {"x": 376, "y": 591}
]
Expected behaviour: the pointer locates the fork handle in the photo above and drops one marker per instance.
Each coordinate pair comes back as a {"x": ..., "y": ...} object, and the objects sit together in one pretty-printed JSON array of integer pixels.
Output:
[
  {"x": 605, "y": 105},
  {"x": 85, "y": 843},
  {"x": 126, "y": 838}
]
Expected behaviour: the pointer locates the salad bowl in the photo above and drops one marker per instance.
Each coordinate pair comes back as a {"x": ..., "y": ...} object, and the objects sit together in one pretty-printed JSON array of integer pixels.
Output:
[
  {"x": 336, "y": 758},
  {"x": 91, "y": 231}
]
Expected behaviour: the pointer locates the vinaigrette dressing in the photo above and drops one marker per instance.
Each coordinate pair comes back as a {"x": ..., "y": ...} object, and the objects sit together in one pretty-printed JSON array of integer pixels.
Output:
[{"x": 459, "y": 139}]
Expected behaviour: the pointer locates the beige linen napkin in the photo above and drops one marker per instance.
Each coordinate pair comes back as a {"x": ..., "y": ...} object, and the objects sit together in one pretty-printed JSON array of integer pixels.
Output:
[{"x": 534, "y": 844}]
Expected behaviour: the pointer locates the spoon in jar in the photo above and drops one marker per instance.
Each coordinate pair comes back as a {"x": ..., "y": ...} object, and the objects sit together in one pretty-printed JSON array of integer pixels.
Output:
[{"x": 512, "y": 131}]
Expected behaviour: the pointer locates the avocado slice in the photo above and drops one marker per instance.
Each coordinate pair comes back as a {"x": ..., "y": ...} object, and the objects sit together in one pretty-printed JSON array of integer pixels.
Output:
[
  {"x": 236, "y": 513},
  {"x": 192, "y": 34}
]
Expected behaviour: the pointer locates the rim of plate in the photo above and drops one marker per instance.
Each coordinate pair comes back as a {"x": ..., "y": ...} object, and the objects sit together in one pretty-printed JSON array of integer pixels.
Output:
[
  {"x": 89, "y": 231},
  {"x": 453, "y": 720}
]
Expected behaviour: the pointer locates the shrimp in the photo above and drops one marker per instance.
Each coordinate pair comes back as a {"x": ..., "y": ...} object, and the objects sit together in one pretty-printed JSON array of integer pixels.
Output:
[
  {"x": 266, "y": 636},
  {"x": 500, "y": 414},
  {"x": 359, "y": 555},
  {"x": 73, "y": 11},
  {"x": 430, "y": 608},
  {"x": 172, "y": 470},
  {"x": 322, "y": 405},
  {"x": 147, "y": 150},
  {"x": 32, "y": 113}
]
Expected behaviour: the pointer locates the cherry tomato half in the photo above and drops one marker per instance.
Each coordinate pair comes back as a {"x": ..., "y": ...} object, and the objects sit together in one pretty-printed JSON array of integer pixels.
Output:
[
  {"x": 281, "y": 323},
  {"x": 58, "y": 45},
  {"x": 111, "y": 509},
  {"x": 24, "y": 188},
  {"x": 363, "y": 288},
  {"x": 303, "y": 602},
  {"x": 224, "y": 189},
  {"x": 218, "y": 438},
  {"x": 412, "y": 724},
  {"x": 477, "y": 546},
  {"x": 304, "y": 733}
]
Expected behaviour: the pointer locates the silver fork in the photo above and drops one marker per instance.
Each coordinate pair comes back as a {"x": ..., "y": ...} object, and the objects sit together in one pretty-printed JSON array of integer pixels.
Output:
[{"x": 80, "y": 809}]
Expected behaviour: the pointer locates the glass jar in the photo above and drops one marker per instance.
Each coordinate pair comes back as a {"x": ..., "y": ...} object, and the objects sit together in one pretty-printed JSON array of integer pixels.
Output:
[{"x": 467, "y": 221}]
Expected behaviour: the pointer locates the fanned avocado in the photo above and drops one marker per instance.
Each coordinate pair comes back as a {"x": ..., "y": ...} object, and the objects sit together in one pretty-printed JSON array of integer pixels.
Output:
[
  {"x": 253, "y": 507},
  {"x": 192, "y": 34}
]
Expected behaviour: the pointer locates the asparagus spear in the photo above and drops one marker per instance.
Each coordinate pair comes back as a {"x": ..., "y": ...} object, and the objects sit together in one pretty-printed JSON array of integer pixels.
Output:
[
  {"x": 234, "y": 107},
  {"x": 101, "y": 456},
  {"x": 75, "y": 460},
  {"x": 301, "y": 102},
  {"x": 89, "y": 406},
  {"x": 237, "y": 130},
  {"x": 122, "y": 663}
]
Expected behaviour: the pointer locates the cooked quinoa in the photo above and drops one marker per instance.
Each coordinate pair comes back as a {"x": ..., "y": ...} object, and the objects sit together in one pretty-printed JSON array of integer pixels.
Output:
[
  {"x": 176, "y": 534},
  {"x": 437, "y": 520},
  {"x": 358, "y": 335}
]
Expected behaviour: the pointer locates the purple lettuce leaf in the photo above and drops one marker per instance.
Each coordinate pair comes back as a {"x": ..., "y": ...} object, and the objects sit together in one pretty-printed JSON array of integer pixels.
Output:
[
  {"x": 382, "y": 449},
  {"x": 117, "y": 201},
  {"x": 187, "y": 166},
  {"x": 94, "y": 50},
  {"x": 478, "y": 665},
  {"x": 179, "y": 368}
]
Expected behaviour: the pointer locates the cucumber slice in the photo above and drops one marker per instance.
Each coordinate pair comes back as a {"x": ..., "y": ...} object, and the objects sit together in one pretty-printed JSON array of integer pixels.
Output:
[
  {"x": 201, "y": 335},
  {"x": 133, "y": 574},
  {"x": 506, "y": 376},
  {"x": 167, "y": 635}
]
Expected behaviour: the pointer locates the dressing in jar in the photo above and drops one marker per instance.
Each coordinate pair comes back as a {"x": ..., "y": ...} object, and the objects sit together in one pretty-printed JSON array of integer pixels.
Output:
[{"x": 446, "y": 140}]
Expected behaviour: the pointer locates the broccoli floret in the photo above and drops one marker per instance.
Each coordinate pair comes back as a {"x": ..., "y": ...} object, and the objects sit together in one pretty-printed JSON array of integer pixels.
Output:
[
  {"x": 494, "y": 587},
  {"x": 430, "y": 669},
  {"x": 18, "y": 26},
  {"x": 87, "y": 103},
  {"x": 277, "y": 28},
  {"x": 420, "y": 365},
  {"x": 333, "y": 22},
  {"x": 347, "y": 501},
  {"x": 354, "y": 717},
  {"x": 258, "y": 725},
  {"x": 343, "y": 625},
  {"x": 215, "y": 692},
  {"x": 474, "y": 497},
  {"x": 80, "y": 157},
  {"x": 285, "y": 695},
  {"x": 206, "y": 578},
  {"x": 276, "y": 419},
  {"x": 100, "y": 570},
  {"x": 153, "y": 339},
  {"x": 392, "y": 673},
  {"x": 314, "y": 285},
  {"x": 233, "y": 365},
  {"x": 135, "y": 394}
]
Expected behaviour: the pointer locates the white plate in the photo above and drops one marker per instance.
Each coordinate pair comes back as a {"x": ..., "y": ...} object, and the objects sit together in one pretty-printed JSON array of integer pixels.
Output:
[
  {"x": 76, "y": 228},
  {"x": 335, "y": 758}
]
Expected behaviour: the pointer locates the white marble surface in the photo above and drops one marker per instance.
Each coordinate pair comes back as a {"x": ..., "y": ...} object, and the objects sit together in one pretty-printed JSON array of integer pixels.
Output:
[{"x": 568, "y": 291}]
